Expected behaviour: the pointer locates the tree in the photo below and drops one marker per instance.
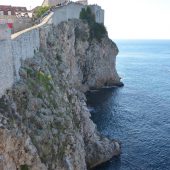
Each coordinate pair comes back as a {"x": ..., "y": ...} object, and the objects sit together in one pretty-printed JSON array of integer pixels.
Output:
[
  {"x": 40, "y": 11},
  {"x": 97, "y": 30}
]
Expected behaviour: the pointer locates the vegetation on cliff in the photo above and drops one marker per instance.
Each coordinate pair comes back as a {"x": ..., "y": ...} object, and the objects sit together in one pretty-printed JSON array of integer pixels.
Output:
[
  {"x": 97, "y": 30},
  {"x": 40, "y": 11}
]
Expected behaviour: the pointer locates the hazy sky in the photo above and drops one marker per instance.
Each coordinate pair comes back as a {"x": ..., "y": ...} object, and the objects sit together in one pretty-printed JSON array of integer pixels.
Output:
[{"x": 127, "y": 19}]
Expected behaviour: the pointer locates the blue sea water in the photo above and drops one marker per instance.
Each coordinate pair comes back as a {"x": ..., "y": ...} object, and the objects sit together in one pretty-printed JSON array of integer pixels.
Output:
[{"x": 137, "y": 114}]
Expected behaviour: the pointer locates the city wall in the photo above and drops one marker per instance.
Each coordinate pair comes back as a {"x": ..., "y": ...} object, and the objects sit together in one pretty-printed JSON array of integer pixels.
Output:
[
  {"x": 24, "y": 44},
  {"x": 19, "y": 23},
  {"x": 72, "y": 10},
  {"x": 6, "y": 66}
]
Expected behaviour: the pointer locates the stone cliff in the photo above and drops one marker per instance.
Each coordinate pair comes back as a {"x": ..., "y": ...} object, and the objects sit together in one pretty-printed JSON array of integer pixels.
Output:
[{"x": 44, "y": 120}]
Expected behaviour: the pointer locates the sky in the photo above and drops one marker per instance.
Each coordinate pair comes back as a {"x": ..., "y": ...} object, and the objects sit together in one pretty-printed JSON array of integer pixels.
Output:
[{"x": 126, "y": 19}]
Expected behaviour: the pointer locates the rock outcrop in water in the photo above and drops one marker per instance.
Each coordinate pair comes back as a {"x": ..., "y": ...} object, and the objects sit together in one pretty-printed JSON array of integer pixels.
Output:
[{"x": 44, "y": 120}]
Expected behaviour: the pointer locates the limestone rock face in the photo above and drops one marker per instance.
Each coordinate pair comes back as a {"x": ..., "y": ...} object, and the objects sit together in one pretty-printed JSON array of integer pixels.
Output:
[
  {"x": 17, "y": 151},
  {"x": 44, "y": 120}
]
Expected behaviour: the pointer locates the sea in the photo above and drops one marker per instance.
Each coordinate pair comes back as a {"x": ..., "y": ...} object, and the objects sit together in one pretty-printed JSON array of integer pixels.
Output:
[{"x": 137, "y": 114}]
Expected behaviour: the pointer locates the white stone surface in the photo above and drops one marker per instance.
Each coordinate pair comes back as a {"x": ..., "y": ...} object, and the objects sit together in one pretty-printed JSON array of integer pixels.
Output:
[
  {"x": 24, "y": 46},
  {"x": 6, "y": 66},
  {"x": 99, "y": 13},
  {"x": 21, "y": 24},
  {"x": 72, "y": 10},
  {"x": 5, "y": 32}
]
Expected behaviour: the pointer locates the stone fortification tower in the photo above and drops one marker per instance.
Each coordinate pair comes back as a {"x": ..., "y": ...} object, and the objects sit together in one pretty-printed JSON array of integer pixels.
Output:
[{"x": 54, "y": 2}]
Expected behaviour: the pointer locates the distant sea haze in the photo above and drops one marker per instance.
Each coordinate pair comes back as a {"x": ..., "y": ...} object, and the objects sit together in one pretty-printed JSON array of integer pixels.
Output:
[{"x": 139, "y": 113}]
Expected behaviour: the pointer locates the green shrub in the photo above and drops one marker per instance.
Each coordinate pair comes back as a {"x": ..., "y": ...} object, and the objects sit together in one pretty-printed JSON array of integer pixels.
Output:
[
  {"x": 40, "y": 11},
  {"x": 86, "y": 14},
  {"x": 37, "y": 78},
  {"x": 97, "y": 30},
  {"x": 24, "y": 167},
  {"x": 44, "y": 79},
  {"x": 81, "y": 34}
]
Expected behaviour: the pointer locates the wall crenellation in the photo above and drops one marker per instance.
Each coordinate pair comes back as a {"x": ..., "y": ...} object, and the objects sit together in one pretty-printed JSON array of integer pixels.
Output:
[{"x": 25, "y": 43}]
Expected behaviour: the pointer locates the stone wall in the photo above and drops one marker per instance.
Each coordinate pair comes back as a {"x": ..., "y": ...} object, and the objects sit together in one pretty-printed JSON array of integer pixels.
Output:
[
  {"x": 6, "y": 60},
  {"x": 24, "y": 46},
  {"x": 5, "y": 33},
  {"x": 64, "y": 13},
  {"x": 6, "y": 66},
  {"x": 99, "y": 13},
  {"x": 25, "y": 43},
  {"x": 21, "y": 24},
  {"x": 7, "y": 18},
  {"x": 72, "y": 10},
  {"x": 18, "y": 23},
  {"x": 14, "y": 50}
]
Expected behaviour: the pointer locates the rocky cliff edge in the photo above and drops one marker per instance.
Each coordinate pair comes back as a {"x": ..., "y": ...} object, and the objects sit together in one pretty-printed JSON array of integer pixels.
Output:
[{"x": 44, "y": 120}]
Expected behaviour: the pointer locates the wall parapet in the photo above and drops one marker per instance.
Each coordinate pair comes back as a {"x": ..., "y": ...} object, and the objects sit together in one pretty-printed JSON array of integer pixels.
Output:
[{"x": 5, "y": 32}]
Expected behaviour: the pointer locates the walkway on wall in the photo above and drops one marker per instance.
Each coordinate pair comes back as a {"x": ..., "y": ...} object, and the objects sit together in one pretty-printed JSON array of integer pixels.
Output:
[{"x": 44, "y": 21}]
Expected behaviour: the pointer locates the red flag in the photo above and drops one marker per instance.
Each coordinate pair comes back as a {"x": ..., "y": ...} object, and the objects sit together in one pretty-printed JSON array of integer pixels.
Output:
[{"x": 10, "y": 25}]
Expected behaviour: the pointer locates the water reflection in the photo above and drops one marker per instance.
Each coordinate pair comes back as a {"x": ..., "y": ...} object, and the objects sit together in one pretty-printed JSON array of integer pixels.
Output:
[
  {"x": 137, "y": 114},
  {"x": 103, "y": 94},
  {"x": 104, "y": 106},
  {"x": 137, "y": 123}
]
